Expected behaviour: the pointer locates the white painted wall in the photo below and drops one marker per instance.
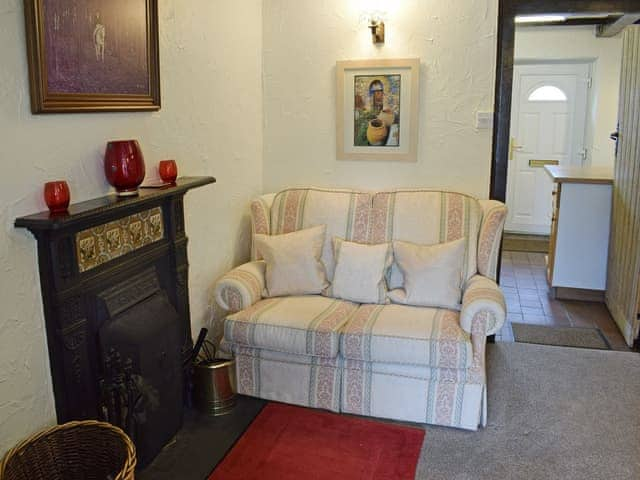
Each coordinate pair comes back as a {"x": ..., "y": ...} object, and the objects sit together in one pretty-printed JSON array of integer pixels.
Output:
[
  {"x": 456, "y": 44},
  {"x": 210, "y": 122},
  {"x": 580, "y": 42}
]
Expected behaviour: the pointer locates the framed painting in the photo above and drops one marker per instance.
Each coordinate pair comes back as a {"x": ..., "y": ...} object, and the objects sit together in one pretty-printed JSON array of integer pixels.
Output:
[
  {"x": 93, "y": 55},
  {"x": 377, "y": 109}
]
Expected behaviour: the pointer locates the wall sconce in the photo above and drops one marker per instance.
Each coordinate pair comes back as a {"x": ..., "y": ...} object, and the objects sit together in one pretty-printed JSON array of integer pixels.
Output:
[
  {"x": 377, "y": 30},
  {"x": 373, "y": 13}
]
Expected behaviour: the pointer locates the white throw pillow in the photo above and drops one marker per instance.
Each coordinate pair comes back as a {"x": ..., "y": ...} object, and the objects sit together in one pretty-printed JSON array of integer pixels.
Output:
[
  {"x": 360, "y": 271},
  {"x": 293, "y": 262},
  {"x": 432, "y": 274}
]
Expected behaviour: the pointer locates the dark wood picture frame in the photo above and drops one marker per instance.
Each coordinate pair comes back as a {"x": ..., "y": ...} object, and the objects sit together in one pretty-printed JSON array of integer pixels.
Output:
[
  {"x": 507, "y": 11},
  {"x": 45, "y": 101}
]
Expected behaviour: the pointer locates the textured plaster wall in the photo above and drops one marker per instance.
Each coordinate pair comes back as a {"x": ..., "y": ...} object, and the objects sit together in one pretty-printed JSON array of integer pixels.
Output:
[
  {"x": 558, "y": 43},
  {"x": 456, "y": 44},
  {"x": 210, "y": 122}
]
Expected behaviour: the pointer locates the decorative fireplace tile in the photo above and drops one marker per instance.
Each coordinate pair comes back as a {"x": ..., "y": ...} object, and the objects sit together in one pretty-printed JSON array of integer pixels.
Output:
[{"x": 107, "y": 242}]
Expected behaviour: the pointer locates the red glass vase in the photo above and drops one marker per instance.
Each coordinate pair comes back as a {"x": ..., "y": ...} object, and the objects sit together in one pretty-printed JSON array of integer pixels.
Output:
[
  {"x": 124, "y": 166},
  {"x": 57, "y": 196},
  {"x": 168, "y": 170}
]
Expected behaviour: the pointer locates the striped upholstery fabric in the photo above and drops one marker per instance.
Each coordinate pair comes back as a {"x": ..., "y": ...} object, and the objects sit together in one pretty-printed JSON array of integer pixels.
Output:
[
  {"x": 306, "y": 325},
  {"x": 260, "y": 220},
  {"x": 241, "y": 287},
  {"x": 345, "y": 213},
  {"x": 493, "y": 218},
  {"x": 283, "y": 377},
  {"x": 426, "y": 217},
  {"x": 402, "y": 334},
  {"x": 483, "y": 297}
]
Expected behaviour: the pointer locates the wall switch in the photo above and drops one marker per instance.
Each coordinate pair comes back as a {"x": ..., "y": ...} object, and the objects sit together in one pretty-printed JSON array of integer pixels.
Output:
[{"x": 484, "y": 120}]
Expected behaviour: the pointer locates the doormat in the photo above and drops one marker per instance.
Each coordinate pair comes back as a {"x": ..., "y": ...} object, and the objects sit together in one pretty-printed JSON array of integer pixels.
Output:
[
  {"x": 579, "y": 337},
  {"x": 286, "y": 442}
]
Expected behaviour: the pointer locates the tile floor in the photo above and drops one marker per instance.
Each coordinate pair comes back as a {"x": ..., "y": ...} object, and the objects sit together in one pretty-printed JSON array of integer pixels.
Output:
[{"x": 524, "y": 283}]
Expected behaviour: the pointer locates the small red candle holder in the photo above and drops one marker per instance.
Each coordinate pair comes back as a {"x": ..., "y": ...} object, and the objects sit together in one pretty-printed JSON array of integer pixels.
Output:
[
  {"x": 57, "y": 196},
  {"x": 168, "y": 170}
]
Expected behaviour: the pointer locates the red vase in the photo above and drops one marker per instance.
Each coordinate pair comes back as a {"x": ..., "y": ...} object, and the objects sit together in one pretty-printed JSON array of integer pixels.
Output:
[
  {"x": 168, "y": 170},
  {"x": 56, "y": 196},
  {"x": 124, "y": 166}
]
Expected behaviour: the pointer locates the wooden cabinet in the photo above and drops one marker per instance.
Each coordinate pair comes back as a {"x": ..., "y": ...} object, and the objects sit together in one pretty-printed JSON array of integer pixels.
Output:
[{"x": 578, "y": 248}]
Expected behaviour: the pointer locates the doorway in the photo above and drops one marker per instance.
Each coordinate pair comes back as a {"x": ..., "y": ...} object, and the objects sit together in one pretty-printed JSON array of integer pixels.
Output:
[
  {"x": 522, "y": 274},
  {"x": 548, "y": 119}
]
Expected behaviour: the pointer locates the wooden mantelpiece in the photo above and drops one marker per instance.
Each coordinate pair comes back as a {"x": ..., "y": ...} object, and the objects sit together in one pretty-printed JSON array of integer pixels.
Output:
[{"x": 96, "y": 246}]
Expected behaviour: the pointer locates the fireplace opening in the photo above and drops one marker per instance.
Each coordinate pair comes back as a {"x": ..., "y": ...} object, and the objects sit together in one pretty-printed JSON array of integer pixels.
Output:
[{"x": 141, "y": 381}]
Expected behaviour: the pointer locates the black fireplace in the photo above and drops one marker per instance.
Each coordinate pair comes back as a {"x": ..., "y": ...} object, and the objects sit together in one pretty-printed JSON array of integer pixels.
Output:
[{"x": 114, "y": 280}]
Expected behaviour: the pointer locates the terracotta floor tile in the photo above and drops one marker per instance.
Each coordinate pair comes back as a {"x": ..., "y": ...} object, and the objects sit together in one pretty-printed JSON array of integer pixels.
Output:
[
  {"x": 532, "y": 310},
  {"x": 528, "y": 298},
  {"x": 535, "y": 319}
]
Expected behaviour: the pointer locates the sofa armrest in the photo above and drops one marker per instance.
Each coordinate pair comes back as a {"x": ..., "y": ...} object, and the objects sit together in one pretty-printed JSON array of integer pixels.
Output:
[
  {"x": 493, "y": 218},
  {"x": 482, "y": 301},
  {"x": 241, "y": 287}
]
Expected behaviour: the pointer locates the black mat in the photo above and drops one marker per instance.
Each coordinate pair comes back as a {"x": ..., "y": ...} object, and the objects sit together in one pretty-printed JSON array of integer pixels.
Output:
[{"x": 578, "y": 337}]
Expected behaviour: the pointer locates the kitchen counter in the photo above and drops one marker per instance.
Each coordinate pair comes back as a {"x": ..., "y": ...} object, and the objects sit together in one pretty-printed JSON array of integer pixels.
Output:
[{"x": 574, "y": 174}]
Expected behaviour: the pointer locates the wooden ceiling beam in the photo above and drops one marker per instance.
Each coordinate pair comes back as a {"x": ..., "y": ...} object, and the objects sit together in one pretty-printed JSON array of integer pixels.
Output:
[{"x": 611, "y": 29}]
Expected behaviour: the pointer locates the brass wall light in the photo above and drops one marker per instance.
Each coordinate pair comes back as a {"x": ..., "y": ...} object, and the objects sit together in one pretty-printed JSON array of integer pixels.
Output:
[{"x": 377, "y": 30}]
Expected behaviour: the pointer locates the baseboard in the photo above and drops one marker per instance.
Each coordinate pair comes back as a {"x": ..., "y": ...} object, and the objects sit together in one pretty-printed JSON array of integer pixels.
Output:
[
  {"x": 517, "y": 242},
  {"x": 582, "y": 294}
]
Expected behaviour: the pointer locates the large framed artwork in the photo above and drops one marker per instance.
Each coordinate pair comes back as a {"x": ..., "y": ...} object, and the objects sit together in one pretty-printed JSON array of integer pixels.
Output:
[
  {"x": 93, "y": 55},
  {"x": 377, "y": 109}
]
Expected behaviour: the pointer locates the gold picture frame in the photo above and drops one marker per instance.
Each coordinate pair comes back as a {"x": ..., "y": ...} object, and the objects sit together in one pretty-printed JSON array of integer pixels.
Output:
[{"x": 377, "y": 104}]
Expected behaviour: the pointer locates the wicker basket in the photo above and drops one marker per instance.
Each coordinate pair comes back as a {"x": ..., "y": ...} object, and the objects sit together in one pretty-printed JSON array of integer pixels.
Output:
[{"x": 86, "y": 450}]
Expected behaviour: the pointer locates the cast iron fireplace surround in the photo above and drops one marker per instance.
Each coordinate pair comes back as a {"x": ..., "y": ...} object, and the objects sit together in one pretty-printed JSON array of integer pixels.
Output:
[{"x": 114, "y": 281}]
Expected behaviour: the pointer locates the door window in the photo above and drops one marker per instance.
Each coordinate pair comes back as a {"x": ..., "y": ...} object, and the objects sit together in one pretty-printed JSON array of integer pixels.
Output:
[{"x": 547, "y": 93}]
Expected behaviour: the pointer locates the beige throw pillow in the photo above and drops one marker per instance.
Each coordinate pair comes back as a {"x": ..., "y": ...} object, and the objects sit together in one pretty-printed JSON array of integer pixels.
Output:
[
  {"x": 360, "y": 271},
  {"x": 293, "y": 262},
  {"x": 432, "y": 274}
]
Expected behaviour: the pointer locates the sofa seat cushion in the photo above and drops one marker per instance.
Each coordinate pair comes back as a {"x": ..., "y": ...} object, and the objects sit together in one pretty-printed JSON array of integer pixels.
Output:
[
  {"x": 407, "y": 335},
  {"x": 302, "y": 325}
]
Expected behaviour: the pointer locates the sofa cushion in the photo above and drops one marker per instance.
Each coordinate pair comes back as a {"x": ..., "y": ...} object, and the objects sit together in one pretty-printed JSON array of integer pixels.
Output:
[
  {"x": 432, "y": 274},
  {"x": 360, "y": 271},
  {"x": 407, "y": 335},
  {"x": 426, "y": 217},
  {"x": 305, "y": 325},
  {"x": 293, "y": 262},
  {"x": 344, "y": 212}
]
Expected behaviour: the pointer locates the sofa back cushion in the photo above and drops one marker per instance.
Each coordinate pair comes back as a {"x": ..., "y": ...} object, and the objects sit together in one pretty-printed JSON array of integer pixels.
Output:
[
  {"x": 344, "y": 212},
  {"x": 426, "y": 217}
]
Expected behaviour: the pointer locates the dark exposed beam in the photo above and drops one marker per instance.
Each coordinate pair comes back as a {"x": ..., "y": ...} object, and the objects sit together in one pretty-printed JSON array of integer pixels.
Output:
[{"x": 616, "y": 27}]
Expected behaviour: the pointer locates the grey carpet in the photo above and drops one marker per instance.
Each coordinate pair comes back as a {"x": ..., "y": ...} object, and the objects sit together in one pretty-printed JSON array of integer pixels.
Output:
[
  {"x": 580, "y": 337},
  {"x": 554, "y": 413}
]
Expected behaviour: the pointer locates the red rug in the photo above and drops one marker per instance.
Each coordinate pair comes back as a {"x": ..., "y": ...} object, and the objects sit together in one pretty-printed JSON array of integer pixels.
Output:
[{"x": 286, "y": 443}]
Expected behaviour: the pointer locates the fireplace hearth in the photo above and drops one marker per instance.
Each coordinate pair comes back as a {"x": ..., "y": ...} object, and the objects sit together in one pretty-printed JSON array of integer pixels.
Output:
[{"x": 114, "y": 281}]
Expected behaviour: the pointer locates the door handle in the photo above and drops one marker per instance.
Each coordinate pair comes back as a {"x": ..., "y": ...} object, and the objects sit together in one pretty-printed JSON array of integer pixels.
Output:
[{"x": 513, "y": 147}]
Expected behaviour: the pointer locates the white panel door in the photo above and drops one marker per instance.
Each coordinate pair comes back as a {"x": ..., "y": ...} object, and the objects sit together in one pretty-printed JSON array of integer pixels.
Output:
[{"x": 548, "y": 114}]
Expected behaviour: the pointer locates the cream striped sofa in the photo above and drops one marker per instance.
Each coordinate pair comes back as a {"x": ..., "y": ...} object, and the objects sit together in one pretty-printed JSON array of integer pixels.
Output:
[{"x": 393, "y": 361}]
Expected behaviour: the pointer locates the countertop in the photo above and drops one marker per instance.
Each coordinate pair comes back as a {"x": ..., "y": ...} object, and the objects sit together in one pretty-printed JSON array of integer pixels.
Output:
[{"x": 574, "y": 174}]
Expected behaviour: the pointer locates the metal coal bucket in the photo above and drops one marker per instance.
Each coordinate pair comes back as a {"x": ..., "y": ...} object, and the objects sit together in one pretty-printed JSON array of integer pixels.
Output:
[{"x": 214, "y": 386}]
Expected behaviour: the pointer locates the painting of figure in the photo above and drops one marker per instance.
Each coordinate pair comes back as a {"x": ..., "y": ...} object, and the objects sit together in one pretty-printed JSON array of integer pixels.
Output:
[
  {"x": 96, "y": 46},
  {"x": 376, "y": 112},
  {"x": 93, "y": 55}
]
